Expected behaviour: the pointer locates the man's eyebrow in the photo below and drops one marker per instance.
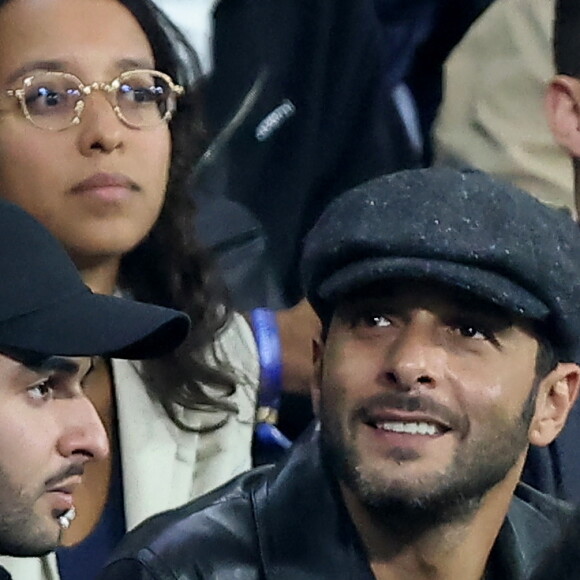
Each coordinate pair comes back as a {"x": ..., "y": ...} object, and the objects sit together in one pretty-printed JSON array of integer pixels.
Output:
[{"x": 52, "y": 364}]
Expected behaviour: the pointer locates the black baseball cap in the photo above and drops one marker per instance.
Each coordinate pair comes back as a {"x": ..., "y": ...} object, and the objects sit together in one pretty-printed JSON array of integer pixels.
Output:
[
  {"x": 46, "y": 309},
  {"x": 464, "y": 229}
]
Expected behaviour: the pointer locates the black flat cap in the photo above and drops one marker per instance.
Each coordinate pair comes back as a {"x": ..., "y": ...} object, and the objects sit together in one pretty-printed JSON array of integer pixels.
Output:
[{"x": 465, "y": 229}]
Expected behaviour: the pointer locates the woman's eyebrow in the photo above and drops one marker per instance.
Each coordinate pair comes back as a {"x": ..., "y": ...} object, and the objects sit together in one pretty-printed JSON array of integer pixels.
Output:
[
  {"x": 132, "y": 63},
  {"x": 56, "y": 65},
  {"x": 28, "y": 67}
]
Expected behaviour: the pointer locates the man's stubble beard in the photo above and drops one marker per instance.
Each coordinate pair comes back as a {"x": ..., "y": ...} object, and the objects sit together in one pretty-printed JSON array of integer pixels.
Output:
[
  {"x": 22, "y": 532},
  {"x": 449, "y": 496}
]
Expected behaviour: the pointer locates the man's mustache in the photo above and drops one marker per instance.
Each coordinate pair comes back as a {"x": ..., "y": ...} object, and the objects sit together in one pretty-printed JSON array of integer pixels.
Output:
[
  {"x": 71, "y": 471},
  {"x": 396, "y": 401}
]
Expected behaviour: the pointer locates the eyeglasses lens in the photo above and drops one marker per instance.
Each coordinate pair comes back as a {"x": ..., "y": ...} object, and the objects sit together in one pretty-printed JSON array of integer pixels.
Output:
[
  {"x": 144, "y": 98},
  {"x": 50, "y": 100}
]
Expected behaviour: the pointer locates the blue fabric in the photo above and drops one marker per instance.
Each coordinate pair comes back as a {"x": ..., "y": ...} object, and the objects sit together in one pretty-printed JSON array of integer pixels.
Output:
[
  {"x": 86, "y": 560},
  {"x": 267, "y": 338},
  {"x": 417, "y": 37},
  {"x": 405, "y": 26}
]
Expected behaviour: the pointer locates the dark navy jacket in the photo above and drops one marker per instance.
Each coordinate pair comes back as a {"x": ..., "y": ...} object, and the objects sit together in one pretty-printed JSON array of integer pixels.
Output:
[
  {"x": 322, "y": 120},
  {"x": 556, "y": 469}
]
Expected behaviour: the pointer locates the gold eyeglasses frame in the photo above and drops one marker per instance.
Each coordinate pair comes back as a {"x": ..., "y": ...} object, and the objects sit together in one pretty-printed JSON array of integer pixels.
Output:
[{"x": 109, "y": 88}]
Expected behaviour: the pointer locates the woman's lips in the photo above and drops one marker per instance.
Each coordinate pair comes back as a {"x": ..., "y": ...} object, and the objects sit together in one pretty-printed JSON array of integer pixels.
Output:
[{"x": 107, "y": 187}]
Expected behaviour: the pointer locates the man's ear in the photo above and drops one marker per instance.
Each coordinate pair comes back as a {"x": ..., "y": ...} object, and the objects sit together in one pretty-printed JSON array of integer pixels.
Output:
[
  {"x": 317, "y": 354},
  {"x": 557, "y": 393},
  {"x": 562, "y": 107}
]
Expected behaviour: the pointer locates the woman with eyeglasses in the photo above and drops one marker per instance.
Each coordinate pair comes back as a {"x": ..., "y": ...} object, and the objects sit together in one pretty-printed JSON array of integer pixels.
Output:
[{"x": 98, "y": 131}]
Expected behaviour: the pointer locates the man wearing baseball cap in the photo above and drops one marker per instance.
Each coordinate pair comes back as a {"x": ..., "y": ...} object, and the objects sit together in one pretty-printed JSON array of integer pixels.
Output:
[
  {"x": 51, "y": 325},
  {"x": 449, "y": 309}
]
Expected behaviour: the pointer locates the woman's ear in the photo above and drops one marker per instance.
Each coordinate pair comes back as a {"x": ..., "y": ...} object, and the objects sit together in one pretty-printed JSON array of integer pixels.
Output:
[
  {"x": 557, "y": 393},
  {"x": 562, "y": 106}
]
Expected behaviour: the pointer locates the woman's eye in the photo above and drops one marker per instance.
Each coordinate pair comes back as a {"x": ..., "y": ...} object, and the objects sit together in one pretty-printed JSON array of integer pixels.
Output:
[
  {"x": 140, "y": 95},
  {"x": 48, "y": 100},
  {"x": 41, "y": 391}
]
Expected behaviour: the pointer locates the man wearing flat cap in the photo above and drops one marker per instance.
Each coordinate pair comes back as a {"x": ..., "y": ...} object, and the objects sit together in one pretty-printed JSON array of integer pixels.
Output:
[
  {"x": 448, "y": 303},
  {"x": 51, "y": 325}
]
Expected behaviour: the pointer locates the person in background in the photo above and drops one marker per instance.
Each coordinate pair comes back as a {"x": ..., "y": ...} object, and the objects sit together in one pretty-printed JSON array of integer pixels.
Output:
[
  {"x": 449, "y": 335},
  {"x": 492, "y": 115},
  {"x": 417, "y": 38},
  {"x": 305, "y": 80},
  {"x": 563, "y": 94},
  {"x": 52, "y": 328}
]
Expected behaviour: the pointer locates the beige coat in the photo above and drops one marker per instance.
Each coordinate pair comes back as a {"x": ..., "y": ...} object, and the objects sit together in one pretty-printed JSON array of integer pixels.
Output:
[
  {"x": 163, "y": 466},
  {"x": 492, "y": 115}
]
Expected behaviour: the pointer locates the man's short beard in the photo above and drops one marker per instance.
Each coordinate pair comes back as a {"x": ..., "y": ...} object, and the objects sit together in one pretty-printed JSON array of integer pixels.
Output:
[
  {"x": 19, "y": 537},
  {"x": 454, "y": 496},
  {"x": 21, "y": 531}
]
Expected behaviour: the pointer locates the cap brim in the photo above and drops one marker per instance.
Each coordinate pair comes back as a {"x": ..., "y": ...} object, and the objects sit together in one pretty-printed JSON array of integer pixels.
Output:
[
  {"x": 88, "y": 324},
  {"x": 485, "y": 284}
]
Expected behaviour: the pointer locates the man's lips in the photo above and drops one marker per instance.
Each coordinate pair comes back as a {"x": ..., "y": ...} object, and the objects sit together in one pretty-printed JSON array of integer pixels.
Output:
[
  {"x": 66, "y": 487},
  {"x": 60, "y": 503},
  {"x": 407, "y": 424},
  {"x": 411, "y": 415},
  {"x": 61, "y": 495}
]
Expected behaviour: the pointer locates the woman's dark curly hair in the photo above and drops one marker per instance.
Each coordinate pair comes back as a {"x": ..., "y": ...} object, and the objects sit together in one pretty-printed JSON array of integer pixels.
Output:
[{"x": 170, "y": 267}]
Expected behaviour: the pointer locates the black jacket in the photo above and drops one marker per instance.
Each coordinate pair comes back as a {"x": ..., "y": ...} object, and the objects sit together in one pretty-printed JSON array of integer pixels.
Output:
[
  {"x": 288, "y": 523},
  {"x": 323, "y": 120},
  {"x": 556, "y": 469}
]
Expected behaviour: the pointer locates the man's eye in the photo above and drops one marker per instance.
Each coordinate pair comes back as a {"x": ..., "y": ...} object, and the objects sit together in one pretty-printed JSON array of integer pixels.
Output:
[
  {"x": 472, "y": 331},
  {"x": 372, "y": 321},
  {"x": 42, "y": 391}
]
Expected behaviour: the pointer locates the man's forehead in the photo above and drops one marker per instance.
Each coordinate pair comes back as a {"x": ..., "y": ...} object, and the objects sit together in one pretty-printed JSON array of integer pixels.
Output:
[
  {"x": 412, "y": 294},
  {"x": 37, "y": 362}
]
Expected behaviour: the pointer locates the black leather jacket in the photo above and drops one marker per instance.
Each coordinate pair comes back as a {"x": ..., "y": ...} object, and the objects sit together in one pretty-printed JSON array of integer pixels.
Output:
[{"x": 288, "y": 523}]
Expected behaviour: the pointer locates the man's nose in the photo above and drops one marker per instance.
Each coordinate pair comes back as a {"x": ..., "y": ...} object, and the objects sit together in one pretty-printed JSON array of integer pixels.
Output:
[
  {"x": 83, "y": 431},
  {"x": 416, "y": 356}
]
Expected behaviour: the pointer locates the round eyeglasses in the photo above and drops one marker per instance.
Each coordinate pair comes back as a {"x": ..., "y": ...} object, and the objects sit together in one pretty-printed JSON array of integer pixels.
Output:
[{"x": 55, "y": 100}]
